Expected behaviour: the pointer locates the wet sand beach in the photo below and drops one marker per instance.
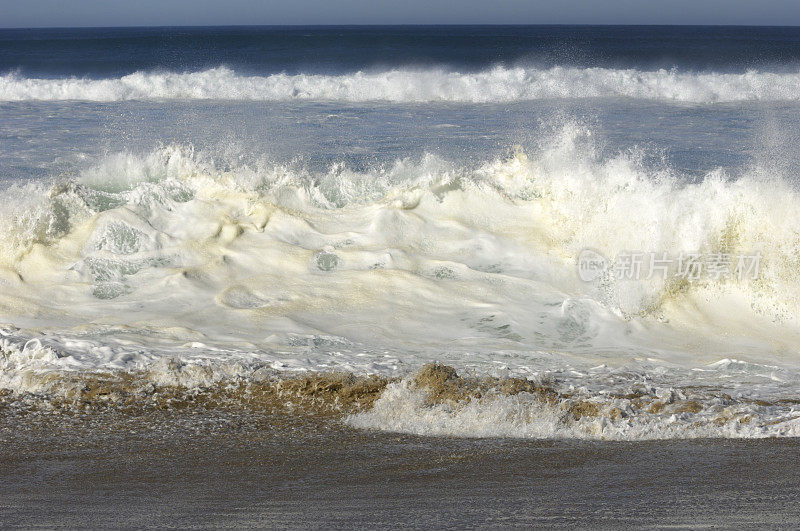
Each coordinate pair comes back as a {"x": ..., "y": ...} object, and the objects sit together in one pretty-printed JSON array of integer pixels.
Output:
[{"x": 212, "y": 469}]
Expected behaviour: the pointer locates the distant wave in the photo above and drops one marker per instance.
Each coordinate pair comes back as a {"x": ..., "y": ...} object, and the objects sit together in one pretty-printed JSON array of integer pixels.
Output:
[{"x": 403, "y": 85}]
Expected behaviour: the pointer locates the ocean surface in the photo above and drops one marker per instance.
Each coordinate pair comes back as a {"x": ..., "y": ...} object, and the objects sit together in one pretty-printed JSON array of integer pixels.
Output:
[{"x": 595, "y": 231}]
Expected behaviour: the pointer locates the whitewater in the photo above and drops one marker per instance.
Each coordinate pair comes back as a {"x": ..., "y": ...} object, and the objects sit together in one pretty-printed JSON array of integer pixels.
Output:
[
  {"x": 183, "y": 267},
  {"x": 403, "y": 85}
]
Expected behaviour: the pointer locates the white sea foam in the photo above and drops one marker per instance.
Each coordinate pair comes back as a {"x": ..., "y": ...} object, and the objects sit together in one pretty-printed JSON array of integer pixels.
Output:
[
  {"x": 177, "y": 255},
  {"x": 488, "y": 253},
  {"x": 402, "y": 85},
  {"x": 404, "y": 408}
]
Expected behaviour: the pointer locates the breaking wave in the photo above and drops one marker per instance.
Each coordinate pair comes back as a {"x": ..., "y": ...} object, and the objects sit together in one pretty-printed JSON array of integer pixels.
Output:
[
  {"x": 404, "y": 85},
  {"x": 186, "y": 270}
]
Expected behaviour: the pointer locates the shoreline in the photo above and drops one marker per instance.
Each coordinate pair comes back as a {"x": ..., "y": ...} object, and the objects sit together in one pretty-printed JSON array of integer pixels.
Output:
[{"x": 433, "y": 401}]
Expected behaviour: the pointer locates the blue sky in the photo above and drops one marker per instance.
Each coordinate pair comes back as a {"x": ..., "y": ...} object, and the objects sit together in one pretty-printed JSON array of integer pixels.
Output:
[{"x": 38, "y": 13}]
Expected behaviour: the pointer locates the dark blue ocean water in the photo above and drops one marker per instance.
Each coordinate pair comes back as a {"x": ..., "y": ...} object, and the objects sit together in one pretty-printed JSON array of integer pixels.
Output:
[{"x": 114, "y": 52}]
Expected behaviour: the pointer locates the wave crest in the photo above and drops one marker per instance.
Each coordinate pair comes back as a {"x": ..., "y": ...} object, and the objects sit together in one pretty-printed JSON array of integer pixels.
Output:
[
  {"x": 177, "y": 254},
  {"x": 498, "y": 84}
]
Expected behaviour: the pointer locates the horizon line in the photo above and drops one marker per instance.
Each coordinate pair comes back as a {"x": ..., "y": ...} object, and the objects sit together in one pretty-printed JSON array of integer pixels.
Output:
[{"x": 396, "y": 25}]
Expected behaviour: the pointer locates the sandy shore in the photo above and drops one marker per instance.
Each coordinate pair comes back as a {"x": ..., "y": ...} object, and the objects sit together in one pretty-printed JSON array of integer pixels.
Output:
[{"x": 200, "y": 469}]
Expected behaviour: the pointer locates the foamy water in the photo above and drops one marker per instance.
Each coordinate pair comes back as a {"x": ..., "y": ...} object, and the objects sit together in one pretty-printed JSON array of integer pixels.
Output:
[
  {"x": 499, "y": 84},
  {"x": 181, "y": 266}
]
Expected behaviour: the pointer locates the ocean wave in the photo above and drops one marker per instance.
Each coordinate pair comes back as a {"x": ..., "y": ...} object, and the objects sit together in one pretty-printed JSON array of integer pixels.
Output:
[
  {"x": 489, "y": 253},
  {"x": 404, "y": 85},
  {"x": 190, "y": 269}
]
